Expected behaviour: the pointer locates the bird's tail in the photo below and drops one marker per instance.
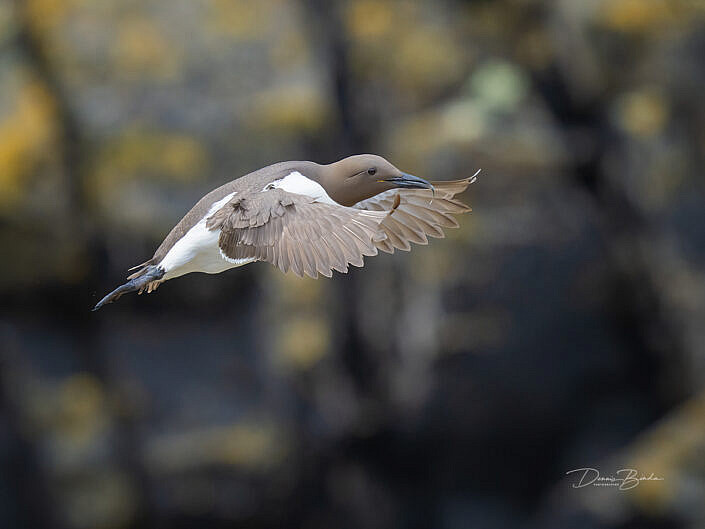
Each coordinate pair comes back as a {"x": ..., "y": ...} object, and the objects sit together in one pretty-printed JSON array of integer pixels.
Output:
[{"x": 146, "y": 279}]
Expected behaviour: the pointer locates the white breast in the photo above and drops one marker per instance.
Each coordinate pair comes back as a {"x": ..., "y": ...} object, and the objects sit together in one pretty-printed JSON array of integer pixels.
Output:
[
  {"x": 198, "y": 250},
  {"x": 301, "y": 185}
]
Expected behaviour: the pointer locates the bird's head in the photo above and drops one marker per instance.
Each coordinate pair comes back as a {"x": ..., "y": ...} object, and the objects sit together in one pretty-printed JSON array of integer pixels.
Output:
[{"x": 362, "y": 176}]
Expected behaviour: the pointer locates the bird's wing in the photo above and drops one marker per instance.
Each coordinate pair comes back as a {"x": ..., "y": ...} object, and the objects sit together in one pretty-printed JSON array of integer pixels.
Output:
[
  {"x": 417, "y": 213},
  {"x": 294, "y": 232}
]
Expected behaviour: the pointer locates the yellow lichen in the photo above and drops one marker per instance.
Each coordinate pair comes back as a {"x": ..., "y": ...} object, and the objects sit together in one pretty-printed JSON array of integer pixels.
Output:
[{"x": 24, "y": 135}]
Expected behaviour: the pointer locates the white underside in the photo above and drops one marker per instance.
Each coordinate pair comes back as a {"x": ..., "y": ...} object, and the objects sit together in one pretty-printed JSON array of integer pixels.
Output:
[
  {"x": 198, "y": 250},
  {"x": 297, "y": 183}
]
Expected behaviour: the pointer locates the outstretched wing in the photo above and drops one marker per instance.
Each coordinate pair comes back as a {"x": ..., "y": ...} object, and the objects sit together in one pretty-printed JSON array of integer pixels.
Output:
[
  {"x": 417, "y": 213},
  {"x": 294, "y": 232}
]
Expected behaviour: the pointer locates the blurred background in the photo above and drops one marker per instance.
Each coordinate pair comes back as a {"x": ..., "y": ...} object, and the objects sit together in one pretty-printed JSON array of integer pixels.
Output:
[{"x": 561, "y": 327}]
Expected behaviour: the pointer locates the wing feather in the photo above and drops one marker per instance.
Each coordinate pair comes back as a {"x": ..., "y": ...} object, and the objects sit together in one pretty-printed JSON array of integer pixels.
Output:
[
  {"x": 294, "y": 232},
  {"x": 420, "y": 213}
]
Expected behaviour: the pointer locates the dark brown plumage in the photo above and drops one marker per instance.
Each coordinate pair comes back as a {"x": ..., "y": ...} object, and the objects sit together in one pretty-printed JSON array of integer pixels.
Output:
[{"x": 304, "y": 217}]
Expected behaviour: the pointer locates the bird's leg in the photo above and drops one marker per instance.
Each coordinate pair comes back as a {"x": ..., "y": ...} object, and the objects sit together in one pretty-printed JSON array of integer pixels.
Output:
[{"x": 152, "y": 274}]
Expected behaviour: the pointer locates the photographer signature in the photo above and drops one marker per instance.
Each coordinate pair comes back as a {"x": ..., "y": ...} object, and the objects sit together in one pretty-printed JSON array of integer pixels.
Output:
[{"x": 623, "y": 479}]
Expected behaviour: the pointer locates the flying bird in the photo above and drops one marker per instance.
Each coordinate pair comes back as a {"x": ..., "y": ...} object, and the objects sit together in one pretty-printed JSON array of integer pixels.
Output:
[{"x": 304, "y": 217}]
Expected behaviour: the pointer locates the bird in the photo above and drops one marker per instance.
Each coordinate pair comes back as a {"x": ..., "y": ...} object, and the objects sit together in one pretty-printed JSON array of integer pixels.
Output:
[{"x": 303, "y": 217}]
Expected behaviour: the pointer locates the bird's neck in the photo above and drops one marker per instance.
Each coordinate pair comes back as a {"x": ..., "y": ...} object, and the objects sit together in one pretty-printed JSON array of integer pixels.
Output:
[{"x": 331, "y": 179}]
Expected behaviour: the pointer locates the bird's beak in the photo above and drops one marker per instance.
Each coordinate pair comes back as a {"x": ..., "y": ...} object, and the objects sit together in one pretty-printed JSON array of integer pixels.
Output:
[{"x": 410, "y": 181}]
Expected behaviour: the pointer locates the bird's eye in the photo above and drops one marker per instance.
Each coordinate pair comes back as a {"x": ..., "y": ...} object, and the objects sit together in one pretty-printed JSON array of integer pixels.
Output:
[{"x": 371, "y": 171}]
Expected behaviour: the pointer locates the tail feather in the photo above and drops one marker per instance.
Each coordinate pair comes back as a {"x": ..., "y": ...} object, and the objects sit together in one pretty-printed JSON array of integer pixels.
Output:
[{"x": 141, "y": 269}]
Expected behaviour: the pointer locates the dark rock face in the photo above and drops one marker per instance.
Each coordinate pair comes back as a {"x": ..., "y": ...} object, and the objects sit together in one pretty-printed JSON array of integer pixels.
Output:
[{"x": 559, "y": 328}]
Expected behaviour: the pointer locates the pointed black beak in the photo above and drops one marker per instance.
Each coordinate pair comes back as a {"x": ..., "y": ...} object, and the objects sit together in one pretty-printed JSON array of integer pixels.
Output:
[{"x": 410, "y": 181}]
